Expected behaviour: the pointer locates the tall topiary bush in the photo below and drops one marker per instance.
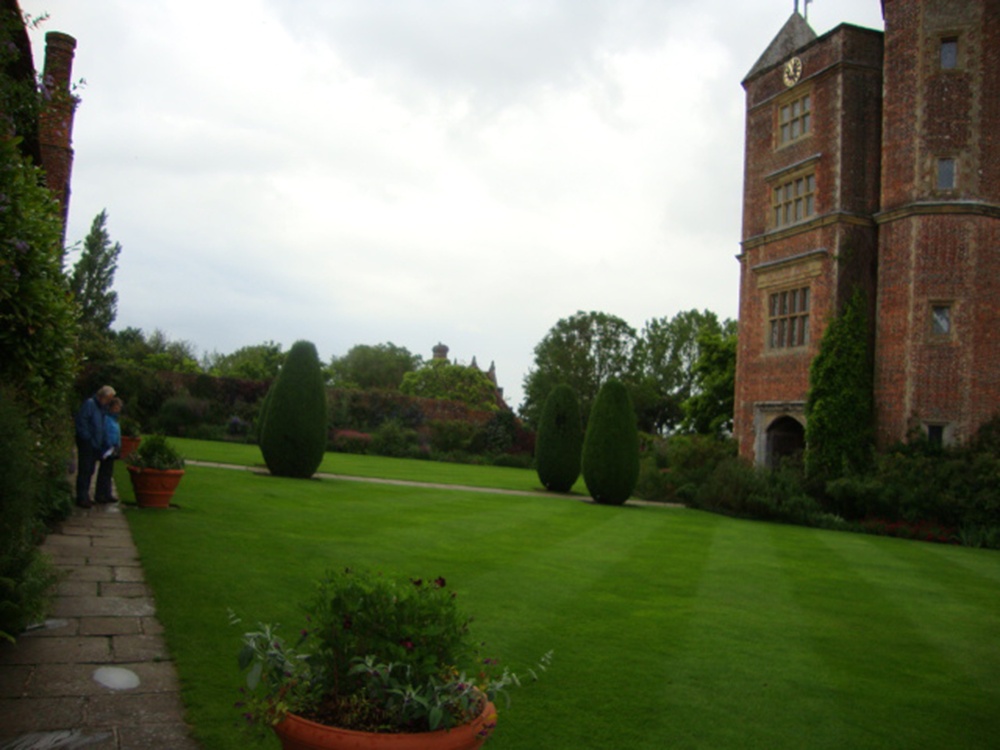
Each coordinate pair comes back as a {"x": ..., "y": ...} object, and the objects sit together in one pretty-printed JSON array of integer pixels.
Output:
[
  {"x": 611, "y": 446},
  {"x": 293, "y": 430},
  {"x": 559, "y": 441},
  {"x": 840, "y": 432}
]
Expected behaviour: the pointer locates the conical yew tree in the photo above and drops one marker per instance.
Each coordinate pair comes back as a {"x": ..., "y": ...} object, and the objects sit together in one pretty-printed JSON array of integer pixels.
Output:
[
  {"x": 293, "y": 429},
  {"x": 559, "y": 440},
  {"x": 611, "y": 446}
]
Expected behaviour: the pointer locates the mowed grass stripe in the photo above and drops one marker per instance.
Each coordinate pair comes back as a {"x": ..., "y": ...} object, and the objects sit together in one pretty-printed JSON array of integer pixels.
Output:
[
  {"x": 671, "y": 627},
  {"x": 953, "y": 612},
  {"x": 874, "y": 626}
]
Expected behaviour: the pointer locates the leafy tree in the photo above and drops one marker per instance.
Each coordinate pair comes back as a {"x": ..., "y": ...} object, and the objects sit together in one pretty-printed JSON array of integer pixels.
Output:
[
  {"x": 93, "y": 276},
  {"x": 156, "y": 351},
  {"x": 611, "y": 446},
  {"x": 668, "y": 353},
  {"x": 23, "y": 575},
  {"x": 582, "y": 351},
  {"x": 559, "y": 441},
  {"x": 365, "y": 367},
  {"x": 293, "y": 429},
  {"x": 37, "y": 317},
  {"x": 38, "y": 326},
  {"x": 20, "y": 102},
  {"x": 709, "y": 411},
  {"x": 257, "y": 362},
  {"x": 840, "y": 433},
  {"x": 441, "y": 379}
]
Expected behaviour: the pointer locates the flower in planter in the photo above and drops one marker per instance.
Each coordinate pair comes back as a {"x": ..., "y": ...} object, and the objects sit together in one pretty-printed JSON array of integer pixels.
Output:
[
  {"x": 155, "y": 453},
  {"x": 379, "y": 655}
]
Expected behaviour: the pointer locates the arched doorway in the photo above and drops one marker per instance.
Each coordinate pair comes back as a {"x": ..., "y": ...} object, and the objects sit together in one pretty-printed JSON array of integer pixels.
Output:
[{"x": 786, "y": 437}]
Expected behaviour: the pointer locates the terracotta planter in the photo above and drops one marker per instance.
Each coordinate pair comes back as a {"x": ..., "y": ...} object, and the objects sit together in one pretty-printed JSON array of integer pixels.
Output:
[
  {"x": 297, "y": 733},
  {"x": 129, "y": 444},
  {"x": 154, "y": 487}
]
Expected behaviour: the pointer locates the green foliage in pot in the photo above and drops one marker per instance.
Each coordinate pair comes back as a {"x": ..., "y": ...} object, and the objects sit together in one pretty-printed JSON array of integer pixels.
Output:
[
  {"x": 154, "y": 452},
  {"x": 560, "y": 440},
  {"x": 379, "y": 654},
  {"x": 130, "y": 427},
  {"x": 611, "y": 446},
  {"x": 294, "y": 417}
]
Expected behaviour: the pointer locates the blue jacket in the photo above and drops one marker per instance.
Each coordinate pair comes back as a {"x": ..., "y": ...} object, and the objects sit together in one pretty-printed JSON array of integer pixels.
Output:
[
  {"x": 112, "y": 433},
  {"x": 90, "y": 424}
]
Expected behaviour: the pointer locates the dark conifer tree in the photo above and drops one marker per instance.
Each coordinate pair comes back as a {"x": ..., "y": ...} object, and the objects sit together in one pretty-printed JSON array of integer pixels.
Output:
[
  {"x": 559, "y": 441},
  {"x": 611, "y": 446},
  {"x": 293, "y": 429}
]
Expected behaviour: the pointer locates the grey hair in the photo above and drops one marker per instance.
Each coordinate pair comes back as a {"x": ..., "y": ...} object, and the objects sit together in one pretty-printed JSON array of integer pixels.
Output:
[{"x": 105, "y": 390}]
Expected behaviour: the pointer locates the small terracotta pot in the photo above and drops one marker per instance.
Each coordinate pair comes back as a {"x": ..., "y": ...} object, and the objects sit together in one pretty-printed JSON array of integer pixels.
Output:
[
  {"x": 296, "y": 733},
  {"x": 154, "y": 487},
  {"x": 129, "y": 444}
]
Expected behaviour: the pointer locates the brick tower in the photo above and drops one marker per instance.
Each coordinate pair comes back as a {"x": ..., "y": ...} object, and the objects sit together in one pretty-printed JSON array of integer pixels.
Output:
[
  {"x": 55, "y": 123},
  {"x": 938, "y": 321},
  {"x": 813, "y": 116},
  {"x": 873, "y": 161}
]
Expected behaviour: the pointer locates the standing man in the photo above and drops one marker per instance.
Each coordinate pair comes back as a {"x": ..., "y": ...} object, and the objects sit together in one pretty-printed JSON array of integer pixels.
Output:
[{"x": 89, "y": 441}]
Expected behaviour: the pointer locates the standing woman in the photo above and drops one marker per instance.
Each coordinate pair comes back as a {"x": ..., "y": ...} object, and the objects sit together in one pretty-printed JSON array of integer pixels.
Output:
[{"x": 112, "y": 448}]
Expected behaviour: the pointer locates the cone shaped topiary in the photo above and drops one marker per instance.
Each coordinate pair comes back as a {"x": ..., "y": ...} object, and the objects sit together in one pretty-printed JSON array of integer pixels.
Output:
[
  {"x": 559, "y": 440},
  {"x": 293, "y": 429},
  {"x": 611, "y": 446}
]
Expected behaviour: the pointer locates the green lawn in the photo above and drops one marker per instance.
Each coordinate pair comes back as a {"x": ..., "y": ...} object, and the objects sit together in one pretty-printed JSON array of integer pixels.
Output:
[
  {"x": 405, "y": 469},
  {"x": 671, "y": 628}
]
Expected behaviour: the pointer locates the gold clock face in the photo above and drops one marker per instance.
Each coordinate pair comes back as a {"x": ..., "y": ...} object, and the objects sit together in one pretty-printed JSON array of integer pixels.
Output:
[{"x": 793, "y": 71}]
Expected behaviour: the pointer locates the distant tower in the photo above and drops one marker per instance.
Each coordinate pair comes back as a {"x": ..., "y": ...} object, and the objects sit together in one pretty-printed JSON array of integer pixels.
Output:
[{"x": 440, "y": 351}]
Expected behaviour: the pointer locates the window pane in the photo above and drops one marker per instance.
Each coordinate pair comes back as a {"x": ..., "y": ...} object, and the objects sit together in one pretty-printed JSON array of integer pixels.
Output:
[
  {"x": 809, "y": 205},
  {"x": 805, "y": 123},
  {"x": 806, "y": 103},
  {"x": 941, "y": 320},
  {"x": 784, "y": 134},
  {"x": 946, "y": 174},
  {"x": 774, "y": 334},
  {"x": 805, "y": 329},
  {"x": 949, "y": 53},
  {"x": 805, "y": 300}
]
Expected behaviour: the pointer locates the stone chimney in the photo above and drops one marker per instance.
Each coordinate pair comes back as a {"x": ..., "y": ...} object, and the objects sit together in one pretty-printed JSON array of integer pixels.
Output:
[{"x": 55, "y": 123}]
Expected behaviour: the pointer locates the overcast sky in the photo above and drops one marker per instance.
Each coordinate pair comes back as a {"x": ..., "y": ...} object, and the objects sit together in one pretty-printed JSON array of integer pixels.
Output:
[{"x": 464, "y": 171}]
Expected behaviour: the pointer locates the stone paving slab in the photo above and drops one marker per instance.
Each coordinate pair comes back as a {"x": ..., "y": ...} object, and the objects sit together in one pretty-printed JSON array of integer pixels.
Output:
[{"x": 103, "y": 617}]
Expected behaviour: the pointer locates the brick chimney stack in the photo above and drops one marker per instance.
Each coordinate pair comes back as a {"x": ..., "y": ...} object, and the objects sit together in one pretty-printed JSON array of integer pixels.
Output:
[{"x": 55, "y": 125}]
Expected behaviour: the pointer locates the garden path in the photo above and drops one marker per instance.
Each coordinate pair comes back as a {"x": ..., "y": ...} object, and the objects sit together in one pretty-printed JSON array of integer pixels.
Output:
[{"x": 96, "y": 674}]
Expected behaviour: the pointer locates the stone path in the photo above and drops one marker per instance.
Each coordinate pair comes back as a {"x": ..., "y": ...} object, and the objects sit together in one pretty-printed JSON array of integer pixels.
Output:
[{"x": 97, "y": 675}]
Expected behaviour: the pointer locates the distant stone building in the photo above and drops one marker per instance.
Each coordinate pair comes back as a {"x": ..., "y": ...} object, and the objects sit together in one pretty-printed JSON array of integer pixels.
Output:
[
  {"x": 873, "y": 162},
  {"x": 440, "y": 352}
]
